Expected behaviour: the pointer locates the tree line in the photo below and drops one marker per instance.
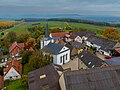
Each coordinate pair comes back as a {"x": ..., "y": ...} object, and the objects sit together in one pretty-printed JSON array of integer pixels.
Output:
[{"x": 73, "y": 21}]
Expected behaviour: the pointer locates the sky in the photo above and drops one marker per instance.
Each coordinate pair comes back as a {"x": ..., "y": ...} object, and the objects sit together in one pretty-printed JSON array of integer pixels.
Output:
[{"x": 52, "y": 7}]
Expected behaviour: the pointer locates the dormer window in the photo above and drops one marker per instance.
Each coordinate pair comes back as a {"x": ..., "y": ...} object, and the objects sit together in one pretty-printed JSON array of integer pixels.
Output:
[
  {"x": 89, "y": 63},
  {"x": 42, "y": 76},
  {"x": 81, "y": 56},
  {"x": 93, "y": 66}
]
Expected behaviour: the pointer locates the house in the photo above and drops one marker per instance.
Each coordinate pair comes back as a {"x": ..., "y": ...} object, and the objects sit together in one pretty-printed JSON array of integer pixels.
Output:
[
  {"x": 72, "y": 37},
  {"x": 45, "y": 78},
  {"x": 58, "y": 35},
  {"x": 79, "y": 46},
  {"x": 113, "y": 61},
  {"x": 115, "y": 52},
  {"x": 106, "y": 78},
  {"x": 1, "y": 82},
  {"x": 101, "y": 44},
  {"x": 13, "y": 70},
  {"x": 16, "y": 48},
  {"x": 60, "y": 53},
  {"x": 89, "y": 60},
  {"x": 84, "y": 35}
]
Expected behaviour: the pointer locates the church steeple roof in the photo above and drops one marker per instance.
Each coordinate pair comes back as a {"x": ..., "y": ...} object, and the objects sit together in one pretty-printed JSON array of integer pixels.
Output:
[{"x": 47, "y": 31}]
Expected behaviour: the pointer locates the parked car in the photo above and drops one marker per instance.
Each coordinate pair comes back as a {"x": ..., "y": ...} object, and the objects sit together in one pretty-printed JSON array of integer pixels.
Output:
[{"x": 108, "y": 57}]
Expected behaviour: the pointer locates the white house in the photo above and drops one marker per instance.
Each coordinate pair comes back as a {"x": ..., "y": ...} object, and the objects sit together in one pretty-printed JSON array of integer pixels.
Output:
[
  {"x": 73, "y": 37},
  {"x": 60, "y": 53},
  {"x": 13, "y": 70}
]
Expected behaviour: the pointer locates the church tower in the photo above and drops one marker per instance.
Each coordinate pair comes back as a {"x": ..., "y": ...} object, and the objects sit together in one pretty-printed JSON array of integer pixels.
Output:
[{"x": 46, "y": 40}]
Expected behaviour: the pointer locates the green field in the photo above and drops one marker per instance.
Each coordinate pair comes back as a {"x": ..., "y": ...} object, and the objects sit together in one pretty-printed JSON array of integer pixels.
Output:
[{"x": 22, "y": 28}]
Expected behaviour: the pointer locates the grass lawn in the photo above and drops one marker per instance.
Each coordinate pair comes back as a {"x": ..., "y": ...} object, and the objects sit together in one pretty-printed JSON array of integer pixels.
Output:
[
  {"x": 15, "y": 85},
  {"x": 25, "y": 69}
]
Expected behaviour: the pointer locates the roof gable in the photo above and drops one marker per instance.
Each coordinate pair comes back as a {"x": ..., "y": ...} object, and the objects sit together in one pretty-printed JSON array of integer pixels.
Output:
[
  {"x": 15, "y": 64},
  {"x": 15, "y": 44},
  {"x": 64, "y": 49},
  {"x": 12, "y": 72}
]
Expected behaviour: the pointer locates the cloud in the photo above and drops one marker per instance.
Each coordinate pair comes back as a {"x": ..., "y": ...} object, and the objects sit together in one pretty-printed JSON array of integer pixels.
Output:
[{"x": 89, "y": 7}]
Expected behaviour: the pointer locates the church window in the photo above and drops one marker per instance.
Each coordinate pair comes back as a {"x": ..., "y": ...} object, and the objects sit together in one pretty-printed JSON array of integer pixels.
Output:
[{"x": 61, "y": 59}]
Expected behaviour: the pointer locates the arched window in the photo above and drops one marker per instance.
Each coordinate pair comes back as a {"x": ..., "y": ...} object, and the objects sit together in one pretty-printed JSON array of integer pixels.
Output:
[{"x": 61, "y": 59}]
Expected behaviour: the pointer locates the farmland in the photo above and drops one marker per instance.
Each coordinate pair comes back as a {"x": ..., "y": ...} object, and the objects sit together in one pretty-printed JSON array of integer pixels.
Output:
[{"x": 22, "y": 28}]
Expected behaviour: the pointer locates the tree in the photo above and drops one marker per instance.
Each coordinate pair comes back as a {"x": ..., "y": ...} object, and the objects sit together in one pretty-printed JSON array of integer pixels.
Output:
[
  {"x": 25, "y": 56},
  {"x": 38, "y": 60},
  {"x": 30, "y": 43},
  {"x": 11, "y": 36},
  {"x": 23, "y": 38},
  {"x": 24, "y": 81},
  {"x": 111, "y": 33}
]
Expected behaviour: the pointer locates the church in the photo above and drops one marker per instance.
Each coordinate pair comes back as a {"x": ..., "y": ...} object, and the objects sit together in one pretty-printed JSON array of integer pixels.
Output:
[{"x": 60, "y": 53}]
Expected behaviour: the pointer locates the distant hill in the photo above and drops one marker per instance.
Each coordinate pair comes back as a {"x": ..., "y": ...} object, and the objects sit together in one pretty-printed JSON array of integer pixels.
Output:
[
  {"x": 110, "y": 19},
  {"x": 73, "y": 21}
]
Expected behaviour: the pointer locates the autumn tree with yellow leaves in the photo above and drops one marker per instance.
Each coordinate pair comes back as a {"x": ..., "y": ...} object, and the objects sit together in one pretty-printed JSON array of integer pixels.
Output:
[{"x": 111, "y": 33}]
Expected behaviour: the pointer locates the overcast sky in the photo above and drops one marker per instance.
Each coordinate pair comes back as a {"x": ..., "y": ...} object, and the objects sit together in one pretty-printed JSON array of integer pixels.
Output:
[{"x": 45, "y": 7}]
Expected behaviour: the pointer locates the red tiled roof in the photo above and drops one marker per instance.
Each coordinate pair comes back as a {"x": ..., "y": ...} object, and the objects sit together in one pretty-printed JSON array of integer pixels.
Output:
[
  {"x": 59, "y": 34},
  {"x": 62, "y": 42},
  {"x": 1, "y": 81},
  {"x": 20, "y": 45},
  {"x": 73, "y": 36},
  {"x": 15, "y": 64}
]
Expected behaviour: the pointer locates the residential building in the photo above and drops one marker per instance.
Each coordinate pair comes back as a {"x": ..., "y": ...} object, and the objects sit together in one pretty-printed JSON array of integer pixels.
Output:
[
  {"x": 45, "y": 78},
  {"x": 1, "y": 82},
  {"x": 101, "y": 44},
  {"x": 60, "y": 53},
  {"x": 79, "y": 46},
  {"x": 72, "y": 37},
  {"x": 15, "y": 49},
  {"x": 58, "y": 35},
  {"x": 115, "y": 52},
  {"x": 84, "y": 35},
  {"x": 89, "y": 60},
  {"x": 107, "y": 78},
  {"x": 13, "y": 70}
]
